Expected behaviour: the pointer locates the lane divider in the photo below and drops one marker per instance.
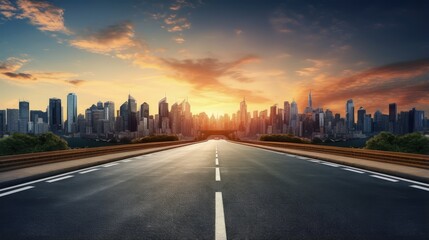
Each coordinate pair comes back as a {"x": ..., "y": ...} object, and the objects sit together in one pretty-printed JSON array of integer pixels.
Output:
[
  {"x": 217, "y": 175},
  {"x": 59, "y": 179},
  {"x": 220, "y": 229},
  {"x": 16, "y": 190},
  {"x": 384, "y": 178},
  {"x": 90, "y": 170}
]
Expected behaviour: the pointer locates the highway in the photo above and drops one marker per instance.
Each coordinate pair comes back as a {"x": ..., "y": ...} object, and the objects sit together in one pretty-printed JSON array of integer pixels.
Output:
[{"x": 216, "y": 190}]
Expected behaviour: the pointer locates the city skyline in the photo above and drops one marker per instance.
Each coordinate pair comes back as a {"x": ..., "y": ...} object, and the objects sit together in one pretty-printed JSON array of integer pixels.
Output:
[{"x": 266, "y": 52}]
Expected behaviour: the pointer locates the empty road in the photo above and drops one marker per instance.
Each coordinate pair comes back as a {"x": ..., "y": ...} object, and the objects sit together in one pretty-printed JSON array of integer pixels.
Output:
[{"x": 216, "y": 190}]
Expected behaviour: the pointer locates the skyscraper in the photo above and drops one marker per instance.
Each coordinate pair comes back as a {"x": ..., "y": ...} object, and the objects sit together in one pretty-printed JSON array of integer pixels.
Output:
[
  {"x": 242, "y": 126},
  {"x": 144, "y": 115},
  {"x": 393, "y": 118},
  {"x": 294, "y": 118},
  {"x": 287, "y": 113},
  {"x": 132, "y": 114},
  {"x": 71, "y": 113},
  {"x": 163, "y": 115},
  {"x": 109, "y": 111},
  {"x": 310, "y": 101},
  {"x": 55, "y": 115},
  {"x": 350, "y": 115},
  {"x": 24, "y": 116},
  {"x": 2, "y": 122},
  {"x": 361, "y": 118},
  {"x": 123, "y": 113},
  {"x": 12, "y": 116}
]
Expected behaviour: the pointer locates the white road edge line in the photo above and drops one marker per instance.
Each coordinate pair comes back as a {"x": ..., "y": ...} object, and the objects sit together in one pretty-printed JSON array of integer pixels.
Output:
[
  {"x": 383, "y": 178},
  {"x": 420, "y": 187},
  {"x": 110, "y": 165},
  {"x": 126, "y": 160},
  {"x": 329, "y": 164},
  {"x": 352, "y": 170},
  {"x": 88, "y": 171},
  {"x": 16, "y": 190},
  {"x": 217, "y": 175},
  {"x": 314, "y": 160},
  {"x": 217, "y": 161},
  {"x": 220, "y": 229},
  {"x": 59, "y": 179},
  {"x": 216, "y": 155}
]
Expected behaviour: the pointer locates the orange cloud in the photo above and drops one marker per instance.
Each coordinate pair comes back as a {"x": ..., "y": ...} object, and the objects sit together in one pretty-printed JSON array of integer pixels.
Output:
[
  {"x": 114, "y": 38},
  {"x": 406, "y": 83},
  {"x": 44, "y": 15},
  {"x": 204, "y": 76},
  {"x": 7, "y": 9},
  {"x": 9, "y": 71}
]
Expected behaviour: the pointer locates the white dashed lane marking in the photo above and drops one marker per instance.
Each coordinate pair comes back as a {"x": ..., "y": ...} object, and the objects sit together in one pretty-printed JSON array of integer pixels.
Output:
[
  {"x": 220, "y": 229},
  {"x": 88, "y": 171},
  {"x": 59, "y": 179},
  {"x": 15, "y": 191},
  {"x": 217, "y": 175},
  {"x": 352, "y": 170},
  {"x": 420, "y": 187},
  {"x": 384, "y": 178}
]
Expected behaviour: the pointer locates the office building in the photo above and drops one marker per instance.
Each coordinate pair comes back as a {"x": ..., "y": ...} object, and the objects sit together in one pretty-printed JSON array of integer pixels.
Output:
[{"x": 71, "y": 113}]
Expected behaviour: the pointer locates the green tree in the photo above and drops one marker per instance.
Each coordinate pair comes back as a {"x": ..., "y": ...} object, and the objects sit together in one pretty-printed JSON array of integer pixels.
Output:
[
  {"x": 409, "y": 143},
  {"x": 25, "y": 143},
  {"x": 50, "y": 142}
]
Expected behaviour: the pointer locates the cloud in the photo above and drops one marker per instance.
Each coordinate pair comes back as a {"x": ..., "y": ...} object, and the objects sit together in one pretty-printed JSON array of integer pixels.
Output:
[
  {"x": 12, "y": 64},
  {"x": 114, "y": 38},
  {"x": 24, "y": 76},
  {"x": 10, "y": 67},
  {"x": 204, "y": 75},
  {"x": 285, "y": 23},
  {"x": 406, "y": 83},
  {"x": 7, "y": 9},
  {"x": 44, "y": 15},
  {"x": 179, "y": 39},
  {"x": 317, "y": 65},
  {"x": 75, "y": 82},
  {"x": 238, "y": 32},
  {"x": 176, "y": 24}
]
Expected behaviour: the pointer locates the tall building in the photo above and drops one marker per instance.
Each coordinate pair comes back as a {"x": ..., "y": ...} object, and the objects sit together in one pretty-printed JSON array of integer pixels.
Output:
[
  {"x": 393, "y": 118},
  {"x": 416, "y": 121},
  {"x": 144, "y": 116},
  {"x": 286, "y": 106},
  {"x": 55, "y": 115},
  {"x": 132, "y": 114},
  {"x": 163, "y": 115},
  {"x": 294, "y": 118},
  {"x": 2, "y": 122},
  {"x": 12, "y": 116},
  {"x": 71, "y": 113},
  {"x": 24, "y": 116},
  {"x": 123, "y": 113},
  {"x": 310, "y": 101},
  {"x": 242, "y": 126},
  {"x": 109, "y": 111},
  {"x": 361, "y": 118},
  {"x": 350, "y": 115}
]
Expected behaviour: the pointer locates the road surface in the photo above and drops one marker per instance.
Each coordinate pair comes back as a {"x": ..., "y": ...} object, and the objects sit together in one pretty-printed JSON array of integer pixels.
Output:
[{"x": 216, "y": 190}]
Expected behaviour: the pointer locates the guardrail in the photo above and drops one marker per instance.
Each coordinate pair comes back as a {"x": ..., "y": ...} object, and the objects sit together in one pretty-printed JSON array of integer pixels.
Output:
[
  {"x": 11, "y": 162},
  {"x": 406, "y": 159}
]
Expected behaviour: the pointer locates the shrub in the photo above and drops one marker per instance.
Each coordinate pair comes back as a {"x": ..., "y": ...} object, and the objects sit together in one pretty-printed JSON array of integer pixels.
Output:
[
  {"x": 156, "y": 138},
  {"x": 20, "y": 143},
  {"x": 282, "y": 138},
  {"x": 409, "y": 143}
]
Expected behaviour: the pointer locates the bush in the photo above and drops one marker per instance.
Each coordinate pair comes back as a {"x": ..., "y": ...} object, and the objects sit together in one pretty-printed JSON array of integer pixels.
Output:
[
  {"x": 20, "y": 143},
  {"x": 282, "y": 138},
  {"x": 156, "y": 138},
  {"x": 409, "y": 143}
]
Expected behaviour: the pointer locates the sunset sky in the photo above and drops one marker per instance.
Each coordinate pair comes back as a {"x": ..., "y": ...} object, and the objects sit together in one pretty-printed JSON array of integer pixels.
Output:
[{"x": 215, "y": 52}]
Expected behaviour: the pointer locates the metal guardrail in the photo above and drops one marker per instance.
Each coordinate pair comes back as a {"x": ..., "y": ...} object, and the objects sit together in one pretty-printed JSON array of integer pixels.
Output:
[
  {"x": 11, "y": 162},
  {"x": 406, "y": 159}
]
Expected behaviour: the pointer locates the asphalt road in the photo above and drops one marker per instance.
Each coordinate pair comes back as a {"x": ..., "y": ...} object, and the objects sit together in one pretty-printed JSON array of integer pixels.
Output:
[{"x": 183, "y": 194}]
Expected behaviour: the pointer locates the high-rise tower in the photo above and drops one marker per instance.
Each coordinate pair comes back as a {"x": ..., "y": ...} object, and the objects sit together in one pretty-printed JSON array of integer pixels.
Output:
[{"x": 71, "y": 113}]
